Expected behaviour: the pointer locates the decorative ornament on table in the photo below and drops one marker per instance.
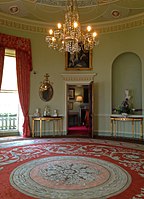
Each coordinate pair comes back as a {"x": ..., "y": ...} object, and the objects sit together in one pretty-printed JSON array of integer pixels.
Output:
[
  {"x": 46, "y": 111},
  {"x": 126, "y": 106},
  {"x": 37, "y": 112},
  {"x": 55, "y": 113}
]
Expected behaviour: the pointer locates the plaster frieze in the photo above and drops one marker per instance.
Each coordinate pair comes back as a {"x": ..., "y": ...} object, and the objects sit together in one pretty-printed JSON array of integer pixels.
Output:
[
  {"x": 102, "y": 28},
  {"x": 80, "y": 3}
]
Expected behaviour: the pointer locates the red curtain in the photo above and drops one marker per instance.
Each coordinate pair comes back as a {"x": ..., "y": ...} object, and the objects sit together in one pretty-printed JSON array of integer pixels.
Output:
[
  {"x": 23, "y": 66},
  {"x": 23, "y": 80},
  {"x": 2, "y": 53}
]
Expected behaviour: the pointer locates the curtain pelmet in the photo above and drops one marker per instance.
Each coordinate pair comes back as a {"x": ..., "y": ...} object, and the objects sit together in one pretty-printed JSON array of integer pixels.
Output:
[{"x": 17, "y": 43}]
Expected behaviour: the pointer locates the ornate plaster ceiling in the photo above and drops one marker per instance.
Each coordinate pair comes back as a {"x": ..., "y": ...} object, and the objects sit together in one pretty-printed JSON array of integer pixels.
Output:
[{"x": 104, "y": 15}]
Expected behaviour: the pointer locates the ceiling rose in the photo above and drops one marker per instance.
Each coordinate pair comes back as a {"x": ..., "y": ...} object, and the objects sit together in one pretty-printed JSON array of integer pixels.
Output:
[
  {"x": 14, "y": 9},
  {"x": 81, "y": 3}
]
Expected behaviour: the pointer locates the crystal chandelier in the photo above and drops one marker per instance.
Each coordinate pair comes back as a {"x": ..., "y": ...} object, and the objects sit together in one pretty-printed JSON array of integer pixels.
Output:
[{"x": 69, "y": 37}]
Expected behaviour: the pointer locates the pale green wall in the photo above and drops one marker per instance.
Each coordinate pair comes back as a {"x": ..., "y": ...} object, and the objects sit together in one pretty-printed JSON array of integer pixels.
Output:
[
  {"x": 48, "y": 61},
  {"x": 112, "y": 45}
]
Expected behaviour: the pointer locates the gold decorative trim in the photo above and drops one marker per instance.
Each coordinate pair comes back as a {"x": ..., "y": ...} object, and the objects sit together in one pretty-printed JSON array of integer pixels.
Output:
[{"x": 102, "y": 28}]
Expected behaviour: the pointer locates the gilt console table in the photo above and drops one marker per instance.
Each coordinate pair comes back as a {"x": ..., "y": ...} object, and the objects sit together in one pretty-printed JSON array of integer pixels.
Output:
[
  {"x": 115, "y": 118},
  {"x": 57, "y": 124}
]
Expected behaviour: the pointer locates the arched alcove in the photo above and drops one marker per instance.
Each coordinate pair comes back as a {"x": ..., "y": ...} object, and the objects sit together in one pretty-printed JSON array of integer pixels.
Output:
[{"x": 127, "y": 74}]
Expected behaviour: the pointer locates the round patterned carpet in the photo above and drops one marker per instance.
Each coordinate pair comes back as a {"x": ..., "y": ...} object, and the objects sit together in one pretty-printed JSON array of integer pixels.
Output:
[
  {"x": 71, "y": 169},
  {"x": 70, "y": 177}
]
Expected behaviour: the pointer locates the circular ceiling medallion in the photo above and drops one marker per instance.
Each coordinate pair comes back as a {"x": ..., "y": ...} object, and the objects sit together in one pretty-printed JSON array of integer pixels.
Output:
[
  {"x": 14, "y": 9},
  {"x": 70, "y": 177},
  {"x": 115, "y": 14}
]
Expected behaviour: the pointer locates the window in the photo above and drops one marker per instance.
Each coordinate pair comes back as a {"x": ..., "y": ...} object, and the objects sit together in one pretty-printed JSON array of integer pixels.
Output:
[{"x": 9, "y": 101}]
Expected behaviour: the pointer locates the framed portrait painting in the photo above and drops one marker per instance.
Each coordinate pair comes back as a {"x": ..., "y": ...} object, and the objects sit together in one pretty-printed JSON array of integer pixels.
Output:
[{"x": 79, "y": 61}]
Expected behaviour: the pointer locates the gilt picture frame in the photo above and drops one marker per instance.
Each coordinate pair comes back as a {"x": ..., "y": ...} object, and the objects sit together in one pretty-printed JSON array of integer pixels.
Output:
[
  {"x": 71, "y": 93},
  {"x": 79, "y": 61},
  {"x": 70, "y": 105}
]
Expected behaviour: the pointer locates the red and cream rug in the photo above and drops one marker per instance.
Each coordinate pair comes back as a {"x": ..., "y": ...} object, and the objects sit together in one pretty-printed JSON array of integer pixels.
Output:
[{"x": 71, "y": 169}]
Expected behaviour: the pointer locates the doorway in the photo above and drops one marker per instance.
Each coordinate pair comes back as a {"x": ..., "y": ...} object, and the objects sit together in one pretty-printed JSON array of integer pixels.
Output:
[
  {"x": 79, "y": 79},
  {"x": 79, "y": 110}
]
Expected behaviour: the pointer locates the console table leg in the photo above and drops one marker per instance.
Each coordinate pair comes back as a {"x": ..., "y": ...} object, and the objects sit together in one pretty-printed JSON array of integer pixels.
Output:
[
  {"x": 133, "y": 128},
  {"x": 40, "y": 128},
  {"x": 33, "y": 128},
  {"x": 114, "y": 128},
  {"x": 141, "y": 129},
  {"x": 111, "y": 127}
]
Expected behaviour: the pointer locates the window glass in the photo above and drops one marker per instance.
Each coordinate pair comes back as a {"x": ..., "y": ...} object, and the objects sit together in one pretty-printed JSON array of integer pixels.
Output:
[
  {"x": 9, "y": 79},
  {"x": 9, "y": 100}
]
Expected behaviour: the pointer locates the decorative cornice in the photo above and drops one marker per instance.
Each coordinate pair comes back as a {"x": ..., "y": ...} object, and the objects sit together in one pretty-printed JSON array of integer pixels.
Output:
[
  {"x": 41, "y": 28},
  {"x": 121, "y": 25},
  {"x": 78, "y": 77},
  {"x": 24, "y": 25}
]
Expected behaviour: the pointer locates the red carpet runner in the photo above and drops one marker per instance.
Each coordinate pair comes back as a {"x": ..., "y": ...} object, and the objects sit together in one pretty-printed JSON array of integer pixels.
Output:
[
  {"x": 71, "y": 169},
  {"x": 78, "y": 130}
]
